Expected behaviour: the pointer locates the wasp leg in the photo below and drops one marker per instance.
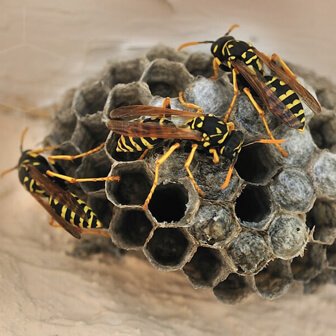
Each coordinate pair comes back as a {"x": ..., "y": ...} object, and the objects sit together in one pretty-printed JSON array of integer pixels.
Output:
[
  {"x": 97, "y": 232},
  {"x": 228, "y": 176},
  {"x": 187, "y": 168},
  {"x": 78, "y": 156},
  {"x": 53, "y": 223},
  {"x": 158, "y": 163},
  {"x": 262, "y": 116},
  {"x": 215, "y": 156},
  {"x": 215, "y": 67},
  {"x": 189, "y": 105},
  {"x": 80, "y": 180},
  {"x": 166, "y": 103},
  {"x": 144, "y": 153},
  {"x": 235, "y": 95},
  {"x": 276, "y": 58}
]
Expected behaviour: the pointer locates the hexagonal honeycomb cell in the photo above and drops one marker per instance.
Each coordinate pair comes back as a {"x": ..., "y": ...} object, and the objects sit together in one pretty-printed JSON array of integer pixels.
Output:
[
  {"x": 169, "y": 248},
  {"x": 206, "y": 268},
  {"x": 233, "y": 289},
  {"x": 130, "y": 228},
  {"x": 273, "y": 225},
  {"x": 274, "y": 280}
]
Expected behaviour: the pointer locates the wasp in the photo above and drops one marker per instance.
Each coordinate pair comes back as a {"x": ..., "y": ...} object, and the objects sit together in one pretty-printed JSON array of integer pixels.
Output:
[
  {"x": 143, "y": 127},
  {"x": 280, "y": 93},
  {"x": 39, "y": 178}
]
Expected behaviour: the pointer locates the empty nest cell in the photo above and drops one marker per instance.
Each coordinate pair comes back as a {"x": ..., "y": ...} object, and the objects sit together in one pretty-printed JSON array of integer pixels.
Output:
[
  {"x": 232, "y": 290},
  {"x": 254, "y": 207},
  {"x": 204, "y": 268},
  {"x": 307, "y": 267},
  {"x": 169, "y": 248},
  {"x": 166, "y": 78},
  {"x": 134, "y": 184},
  {"x": 322, "y": 218},
  {"x": 256, "y": 165},
  {"x": 274, "y": 280},
  {"x": 169, "y": 202},
  {"x": 130, "y": 228}
]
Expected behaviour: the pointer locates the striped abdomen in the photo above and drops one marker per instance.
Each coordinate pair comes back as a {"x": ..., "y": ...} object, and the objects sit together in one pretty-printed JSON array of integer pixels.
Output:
[
  {"x": 129, "y": 144},
  {"x": 89, "y": 221},
  {"x": 288, "y": 97}
]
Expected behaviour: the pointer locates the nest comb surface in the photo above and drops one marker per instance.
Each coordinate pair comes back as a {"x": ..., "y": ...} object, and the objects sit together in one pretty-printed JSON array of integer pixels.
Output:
[{"x": 273, "y": 226}]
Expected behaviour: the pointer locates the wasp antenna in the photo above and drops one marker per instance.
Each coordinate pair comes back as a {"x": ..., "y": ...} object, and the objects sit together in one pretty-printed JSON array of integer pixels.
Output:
[
  {"x": 188, "y": 44},
  {"x": 23, "y": 135},
  {"x": 5, "y": 172},
  {"x": 234, "y": 26}
]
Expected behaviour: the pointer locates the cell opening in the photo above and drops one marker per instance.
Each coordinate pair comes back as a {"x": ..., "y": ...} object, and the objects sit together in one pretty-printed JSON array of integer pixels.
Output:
[
  {"x": 311, "y": 264},
  {"x": 90, "y": 100},
  {"x": 255, "y": 164},
  {"x": 232, "y": 290},
  {"x": 322, "y": 129},
  {"x": 133, "y": 187},
  {"x": 162, "y": 89},
  {"x": 331, "y": 255},
  {"x": 322, "y": 217},
  {"x": 168, "y": 247},
  {"x": 95, "y": 165},
  {"x": 132, "y": 228},
  {"x": 253, "y": 204},
  {"x": 169, "y": 202},
  {"x": 204, "y": 267},
  {"x": 274, "y": 280}
]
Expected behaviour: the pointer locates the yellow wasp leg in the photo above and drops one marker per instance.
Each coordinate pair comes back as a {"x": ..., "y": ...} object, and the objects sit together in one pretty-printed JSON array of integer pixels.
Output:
[
  {"x": 214, "y": 153},
  {"x": 166, "y": 102},
  {"x": 158, "y": 163},
  {"x": 228, "y": 176},
  {"x": 97, "y": 232},
  {"x": 215, "y": 67},
  {"x": 262, "y": 116},
  {"x": 53, "y": 223},
  {"x": 78, "y": 156},
  {"x": 187, "y": 168},
  {"x": 285, "y": 67},
  {"x": 235, "y": 95},
  {"x": 79, "y": 180},
  {"x": 144, "y": 153},
  {"x": 189, "y": 105}
]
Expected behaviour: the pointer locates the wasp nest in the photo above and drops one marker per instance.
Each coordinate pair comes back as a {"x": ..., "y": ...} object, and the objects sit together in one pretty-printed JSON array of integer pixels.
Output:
[{"x": 274, "y": 225}]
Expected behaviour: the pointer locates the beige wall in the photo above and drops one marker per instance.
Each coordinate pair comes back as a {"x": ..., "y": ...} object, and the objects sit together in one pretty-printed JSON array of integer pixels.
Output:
[{"x": 49, "y": 46}]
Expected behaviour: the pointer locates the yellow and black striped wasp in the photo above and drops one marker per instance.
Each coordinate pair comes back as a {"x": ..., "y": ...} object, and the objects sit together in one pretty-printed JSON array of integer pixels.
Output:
[
  {"x": 143, "y": 127},
  {"x": 39, "y": 178},
  {"x": 279, "y": 93}
]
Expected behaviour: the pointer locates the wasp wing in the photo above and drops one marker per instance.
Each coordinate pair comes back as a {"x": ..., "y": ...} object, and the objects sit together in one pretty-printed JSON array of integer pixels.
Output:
[
  {"x": 63, "y": 196},
  {"x": 137, "y": 111},
  {"x": 268, "y": 97},
  {"x": 152, "y": 130},
  {"x": 291, "y": 81},
  {"x": 73, "y": 230}
]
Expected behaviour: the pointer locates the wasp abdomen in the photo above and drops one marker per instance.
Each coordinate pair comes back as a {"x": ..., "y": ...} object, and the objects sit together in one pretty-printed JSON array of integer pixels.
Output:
[{"x": 288, "y": 97}]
